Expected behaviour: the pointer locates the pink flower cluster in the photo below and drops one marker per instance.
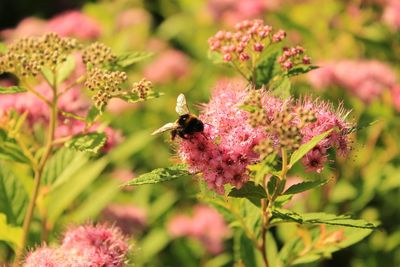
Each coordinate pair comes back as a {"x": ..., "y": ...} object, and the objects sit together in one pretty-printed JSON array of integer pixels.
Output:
[
  {"x": 206, "y": 225},
  {"x": 128, "y": 218},
  {"x": 223, "y": 151},
  {"x": 249, "y": 39},
  {"x": 169, "y": 66},
  {"x": 293, "y": 56},
  {"x": 233, "y": 11},
  {"x": 367, "y": 79},
  {"x": 225, "y": 148},
  {"x": 391, "y": 14},
  {"x": 70, "y": 23},
  {"x": 83, "y": 246}
]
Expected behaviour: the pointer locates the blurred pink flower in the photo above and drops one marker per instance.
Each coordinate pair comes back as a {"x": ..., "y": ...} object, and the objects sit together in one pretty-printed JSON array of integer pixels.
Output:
[
  {"x": 206, "y": 225},
  {"x": 128, "y": 218},
  {"x": 83, "y": 246},
  {"x": 74, "y": 24},
  {"x": 391, "y": 14},
  {"x": 367, "y": 79},
  {"x": 225, "y": 148},
  {"x": 30, "y": 26},
  {"x": 169, "y": 66},
  {"x": 132, "y": 17},
  {"x": 117, "y": 106},
  {"x": 233, "y": 11},
  {"x": 107, "y": 245}
]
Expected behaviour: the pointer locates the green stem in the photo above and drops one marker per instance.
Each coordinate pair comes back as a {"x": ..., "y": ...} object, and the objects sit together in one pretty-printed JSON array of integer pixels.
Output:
[{"x": 38, "y": 174}]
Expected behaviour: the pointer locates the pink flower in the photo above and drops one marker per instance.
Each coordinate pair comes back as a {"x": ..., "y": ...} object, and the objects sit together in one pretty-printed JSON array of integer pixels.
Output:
[
  {"x": 30, "y": 26},
  {"x": 132, "y": 17},
  {"x": 169, "y": 66},
  {"x": 391, "y": 14},
  {"x": 367, "y": 79},
  {"x": 223, "y": 151},
  {"x": 128, "y": 218},
  {"x": 74, "y": 24},
  {"x": 107, "y": 244},
  {"x": 225, "y": 148},
  {"x": 206, "y": 225}
]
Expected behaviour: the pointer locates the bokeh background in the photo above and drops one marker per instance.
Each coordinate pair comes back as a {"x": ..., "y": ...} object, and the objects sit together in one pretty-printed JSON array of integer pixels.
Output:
[{"x": 355, "y": 43}]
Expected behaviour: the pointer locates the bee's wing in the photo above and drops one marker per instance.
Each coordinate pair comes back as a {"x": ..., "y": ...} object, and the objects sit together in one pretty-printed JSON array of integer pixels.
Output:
[
  {"x": 167, "y": 127},
  {"x": 181, "y": 106}
]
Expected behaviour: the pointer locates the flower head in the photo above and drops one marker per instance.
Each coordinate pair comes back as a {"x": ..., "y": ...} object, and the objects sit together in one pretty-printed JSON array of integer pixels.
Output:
[
  {"x": 206, "y": 225},
  {"x": 128, "y": 218}
]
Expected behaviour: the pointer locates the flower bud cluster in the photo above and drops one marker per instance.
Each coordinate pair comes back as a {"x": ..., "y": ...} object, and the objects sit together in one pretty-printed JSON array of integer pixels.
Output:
[
  {"x": 97, "y": 54},
  {"x": 27, "y": 56},
  {"x": 106, "y": 84},
  {"x": 246, "y": 43},
  {"x": 292, "y": 56},
  {"x": 142, "y": 88}
]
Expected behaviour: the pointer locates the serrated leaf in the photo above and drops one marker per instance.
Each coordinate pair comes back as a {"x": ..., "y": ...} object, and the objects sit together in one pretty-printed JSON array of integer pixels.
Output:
[
  {"x": 251, "y": 191},
  {"x": 160, "y": 175},
  {"x": 129, "y": 58},
  {"x": 283, "y": 215},
  {"x": 340, "y": 220},
  {"x": 11, "y": 151},
  {"x": 12, "y": 89},
  {"x": 13, "y": 197},
  {"x": 304, "y": 186},
  {"x": 61, "y": 165},
  {"x": 305, "y": 148},
  {"x": 91, "y": 142},
  {"x": 134, "y": 97},
  {"x": 266, "y": 70},
  {"x": 10, "y": 234},
  {"x": 301, "y": 70}
]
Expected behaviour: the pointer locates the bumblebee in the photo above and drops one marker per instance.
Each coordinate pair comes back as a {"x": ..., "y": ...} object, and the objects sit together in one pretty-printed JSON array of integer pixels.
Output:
[{"x": 186, "y": 125}]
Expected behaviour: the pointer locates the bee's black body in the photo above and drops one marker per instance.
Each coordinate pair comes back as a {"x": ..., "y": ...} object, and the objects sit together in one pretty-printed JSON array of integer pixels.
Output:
[{"x": 188, "y": 124}]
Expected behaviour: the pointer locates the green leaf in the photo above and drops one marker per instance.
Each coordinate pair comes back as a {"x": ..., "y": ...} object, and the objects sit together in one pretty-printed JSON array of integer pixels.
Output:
[
  {"x": 301, "y": 70},
  {"x": 247, "y": 251},
  {"x": 160, "y": 175},
  {"x": 62, "y": 197},
  {"x": 305, "y": 148},
  {"x": 13, "y": 197},
  {"x": 10, "y": 234},
  {"x": 251, "y": 191},
  {"x": 12, "y": 89},
  {"x": 154, "y": 242},
  {"x": 281, "y": 86},
  {"x": 304, "y": 186},
  {"x": 341, "y": 220},
  {"x": 134, "y": 97},
  {"x": 94, "y": 203},
  {"x": 3, "y": 47},
  {"x": 271, "y": 185},
  {"x": 65, "y": 69},
  {"x": 93, "y": 114},
  {"x": 61, "y": 165},
  {"x": 266, "y": 70},
  {"x": 11, "y": 151},
  {"x": 283, "y": 215},
  {"x": 91, "y": 142},
  {"x": 129, "y": 58}
]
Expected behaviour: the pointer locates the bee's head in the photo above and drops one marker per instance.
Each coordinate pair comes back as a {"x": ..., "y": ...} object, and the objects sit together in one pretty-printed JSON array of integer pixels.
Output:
[{"x": 184, "y": 119}]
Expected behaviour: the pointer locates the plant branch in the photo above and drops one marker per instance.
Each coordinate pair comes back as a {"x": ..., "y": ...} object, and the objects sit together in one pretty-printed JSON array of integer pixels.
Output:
[{"x": 38, "y": 174}]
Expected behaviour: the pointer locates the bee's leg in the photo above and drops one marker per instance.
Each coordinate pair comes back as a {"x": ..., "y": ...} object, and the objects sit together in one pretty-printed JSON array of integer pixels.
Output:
[{"x": 173, "y": 135}]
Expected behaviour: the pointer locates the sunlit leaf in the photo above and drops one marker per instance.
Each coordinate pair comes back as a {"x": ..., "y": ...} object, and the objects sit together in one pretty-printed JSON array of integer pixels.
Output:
[
  {"x": 301, "y": 70},
  {"x": 161, "y": 175},
  {"x": 10, "y": 234},
  {"x": 134, "y": 97},
  {"x": 12, "y": 89},
  {"x": 91, "y": 142},
  {"x": 13, "y": 197},
  {"x": 305, "y": 148},
  {"x": 129, "y": 58},
  {"x": 304, "y": 186}
]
